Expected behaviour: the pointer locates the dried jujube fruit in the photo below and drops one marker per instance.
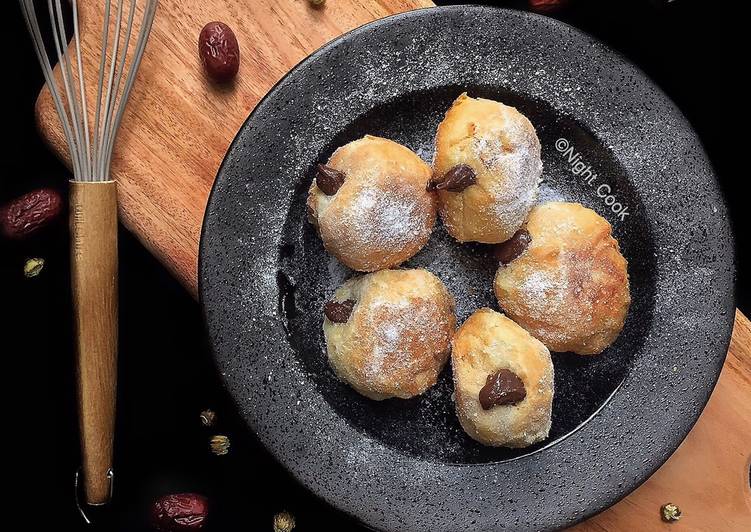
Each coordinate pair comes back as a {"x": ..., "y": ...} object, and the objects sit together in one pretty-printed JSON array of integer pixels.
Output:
[
  {"x": 219, "y": 51},
  {"x": 179, "y": 512},
  {"x": 28, "y": 213},
  {"x": 547, "y": 6}
]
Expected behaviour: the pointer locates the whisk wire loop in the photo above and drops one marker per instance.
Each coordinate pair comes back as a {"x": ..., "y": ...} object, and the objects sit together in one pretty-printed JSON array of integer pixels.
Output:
[
  {"x": 130, "y": 79},
  {"x": 100, "y": 79},
  {"x": 59, "y": 38},
  {"x": 110, "y": 78},
  {"x": 81, "y": 88},
  {"x": 39, "y": 48}
]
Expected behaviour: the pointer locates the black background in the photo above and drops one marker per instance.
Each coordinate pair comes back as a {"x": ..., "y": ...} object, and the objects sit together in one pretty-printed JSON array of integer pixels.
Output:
[{"x": 691, "y": 50}]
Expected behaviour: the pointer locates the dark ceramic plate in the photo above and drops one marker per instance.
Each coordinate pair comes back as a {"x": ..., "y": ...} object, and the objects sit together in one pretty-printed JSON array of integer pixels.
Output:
[{"x": 611, "y": 140}]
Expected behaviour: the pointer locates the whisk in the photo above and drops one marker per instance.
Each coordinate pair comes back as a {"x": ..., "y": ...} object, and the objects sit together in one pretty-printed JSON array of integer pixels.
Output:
[{"x": 93, "y": 203}]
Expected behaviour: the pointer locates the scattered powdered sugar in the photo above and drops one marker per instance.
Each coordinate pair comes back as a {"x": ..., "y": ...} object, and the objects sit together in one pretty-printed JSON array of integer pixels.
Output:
[
  {"x": 560, "y": 299},
  {"x": 549, "y": 193},
  {"x": 426, "y": 153},
  {"x": 665, "y": 178},
  {"x": 565, "y": 227},
  {"x": 338, "y": 273}
]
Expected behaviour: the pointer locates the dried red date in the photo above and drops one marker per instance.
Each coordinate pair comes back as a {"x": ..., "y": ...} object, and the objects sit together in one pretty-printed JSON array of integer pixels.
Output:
[
  {"x": 219, "y": 51},
  {"x": 30, "y": 212},
  {"x": 180, "y": 512},
  {"x": 547, "y": 6}
]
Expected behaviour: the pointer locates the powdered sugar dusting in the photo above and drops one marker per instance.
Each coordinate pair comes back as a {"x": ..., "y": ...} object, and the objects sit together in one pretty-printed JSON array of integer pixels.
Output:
[
  {"x": 410, "y": 337},
  {"x": 383, "y": 219},
  {"x": 338, "y": 273},
  {"x": 544, "y": 286},
  {"x": 391, "y": 341},
  {"x": 514, "y": 154},
  {"x": 377, "y": 222}
]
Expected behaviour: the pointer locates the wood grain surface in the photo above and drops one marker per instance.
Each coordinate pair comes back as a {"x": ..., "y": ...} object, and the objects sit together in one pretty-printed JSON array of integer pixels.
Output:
[{"x": 174, "y": 136}]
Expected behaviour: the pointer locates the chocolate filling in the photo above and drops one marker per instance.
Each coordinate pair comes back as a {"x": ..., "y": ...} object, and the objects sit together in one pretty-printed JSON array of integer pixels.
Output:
[
  {"x": 502, "y": 388},
  {"x": 338, "y": 312},
  {"x": 455, "y": 180},
  {"x": 328, "y": 179},
  {"x": 513, "y": 247}
]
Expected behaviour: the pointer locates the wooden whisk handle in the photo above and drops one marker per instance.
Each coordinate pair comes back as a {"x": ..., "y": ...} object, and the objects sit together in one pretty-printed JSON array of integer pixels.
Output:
[{"x": 93, "y": 224}]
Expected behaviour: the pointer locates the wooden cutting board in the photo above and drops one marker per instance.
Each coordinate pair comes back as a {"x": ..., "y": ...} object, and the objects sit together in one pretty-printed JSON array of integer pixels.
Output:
[{"x": 174, "y": 136}]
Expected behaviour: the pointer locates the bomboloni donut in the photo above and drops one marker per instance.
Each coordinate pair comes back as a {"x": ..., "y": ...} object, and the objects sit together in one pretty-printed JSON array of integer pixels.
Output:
[
  {"x": 371, "y": 205},
  {"x": 487, "y": 170},
  {"x": 503, "y": 380},
  {"x": 563, "y": 278},
  {"x": 388, "y": 333}
]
